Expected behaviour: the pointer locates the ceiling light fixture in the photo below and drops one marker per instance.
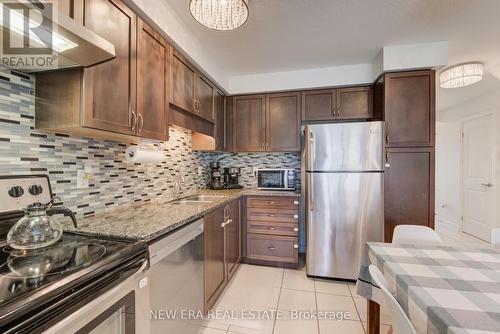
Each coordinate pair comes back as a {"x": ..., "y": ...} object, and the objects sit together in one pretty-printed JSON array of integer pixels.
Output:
[
  {"x": 461, "y": 75},
  {"x": 220, "y": 14}
]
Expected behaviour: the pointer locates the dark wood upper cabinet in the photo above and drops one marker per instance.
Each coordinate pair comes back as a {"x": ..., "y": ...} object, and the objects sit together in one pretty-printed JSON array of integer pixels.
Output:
[
  {"x": 283, "y": 122},
  {"x": 215, "y": 270},
  {"x": 409, "y": 188},
  {"x": 191, "y": 91},
  {"x": 233, "y": 238},
  {"x": 152, "y": 83},
  {"x": 110, "y": 87},
  {"x": 337, "y": 104},
  {"x": 220, "y": 121},
  {"x": 183, "y": 77},
  {"x": 249, "y": 123},
  {"x": 204, "y": 98},
  {"x": 318, "y": 105},
  {"x": 409, "y": 108},
  {"x": 354, "y": 103}
]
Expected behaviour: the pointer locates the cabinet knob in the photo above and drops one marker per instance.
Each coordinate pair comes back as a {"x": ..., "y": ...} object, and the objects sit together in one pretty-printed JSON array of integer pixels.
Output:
[
  {"x": 223, "y": 224},
  {"x": 296, "y": 202},
  {"x": 271, "y": 202},
  {"x": 295, "y": 246},
  {"x": 271, "y": 248},
  {"x": 270, "y": 215},
  {"x": 295, "y": 229},
  {"x": 271, "y": 228},
  {"x": 295, "y": 216}
]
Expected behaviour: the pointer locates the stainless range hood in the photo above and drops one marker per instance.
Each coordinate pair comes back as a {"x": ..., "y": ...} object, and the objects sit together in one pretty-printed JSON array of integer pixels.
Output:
[{"x": 72, "y": 44}]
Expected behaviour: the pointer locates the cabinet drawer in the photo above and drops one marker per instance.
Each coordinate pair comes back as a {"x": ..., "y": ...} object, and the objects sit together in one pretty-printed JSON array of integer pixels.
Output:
[
  {"x": 270, "y": 215},
  {"x": 290, "y": 229},
  {"x": 272, "y": 248},
  {"x": 268, "y": 202}
]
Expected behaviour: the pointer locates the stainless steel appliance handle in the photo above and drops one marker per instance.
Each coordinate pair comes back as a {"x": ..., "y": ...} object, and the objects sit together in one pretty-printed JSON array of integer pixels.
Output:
[
  {"x": 312, "y": 148},
  {"x": 285, "y": 178},
  {"x": 310, "y": 202}
]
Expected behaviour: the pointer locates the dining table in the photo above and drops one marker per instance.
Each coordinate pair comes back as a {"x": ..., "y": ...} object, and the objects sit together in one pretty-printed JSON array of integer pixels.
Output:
[{"x": 445, "y": 289}]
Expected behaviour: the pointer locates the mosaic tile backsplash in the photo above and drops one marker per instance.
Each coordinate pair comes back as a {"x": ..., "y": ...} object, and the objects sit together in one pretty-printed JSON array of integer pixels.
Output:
[{"x": 24, "y": 150}]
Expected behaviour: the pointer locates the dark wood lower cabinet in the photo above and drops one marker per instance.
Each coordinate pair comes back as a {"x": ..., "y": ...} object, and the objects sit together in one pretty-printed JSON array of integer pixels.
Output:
[
  {"x": 233, "y": 239},
  {"x": 215, "y": 270},
  {"x": 272, "y": 229},
  {"x": 409, "y": 188},
  {"x": 222, "y": 246}
]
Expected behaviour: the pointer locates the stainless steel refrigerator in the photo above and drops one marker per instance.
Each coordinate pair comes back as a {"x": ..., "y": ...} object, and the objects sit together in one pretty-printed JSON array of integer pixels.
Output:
[{"x": 343, "y": 176}]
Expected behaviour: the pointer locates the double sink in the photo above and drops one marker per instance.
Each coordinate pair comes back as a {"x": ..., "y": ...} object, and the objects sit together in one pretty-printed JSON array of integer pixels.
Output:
[{"x": 197, "y": 199}]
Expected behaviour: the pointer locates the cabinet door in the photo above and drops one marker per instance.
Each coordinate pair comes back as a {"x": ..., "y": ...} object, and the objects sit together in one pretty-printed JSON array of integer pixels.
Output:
[
  {"x": 220, "y": 121},
  {"x": 409, "y": 188},
  {"x": 318, "y": 105},
  {"x": 204, "y": 95},
  {"x": 109, "y": 88},
  {"x": 182, "y": 82},
  {"x": 410, "y": 109},
  {"x": 233, "y": 238},
  {"x": 283, "y": 122},
  {"x": 152, "y": 83},
  {"x": 249, "y": 123},
  {"x": 215, "y": 273},
  {"x": 354, "y": 103}
]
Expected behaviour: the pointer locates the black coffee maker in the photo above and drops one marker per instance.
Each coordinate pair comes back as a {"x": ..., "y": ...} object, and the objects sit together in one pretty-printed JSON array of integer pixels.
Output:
[
  {"x": 215, "y": 176},
  {"x": 231, "y": 178}
]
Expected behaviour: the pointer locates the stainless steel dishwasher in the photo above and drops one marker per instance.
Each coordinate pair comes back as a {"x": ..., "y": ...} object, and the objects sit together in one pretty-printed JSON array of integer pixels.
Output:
[{"x": 176, "y": 280}]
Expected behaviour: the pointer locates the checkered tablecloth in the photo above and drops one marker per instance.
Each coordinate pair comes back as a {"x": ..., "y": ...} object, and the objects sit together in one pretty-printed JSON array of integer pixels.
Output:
[{"x": 442, "y": 289}]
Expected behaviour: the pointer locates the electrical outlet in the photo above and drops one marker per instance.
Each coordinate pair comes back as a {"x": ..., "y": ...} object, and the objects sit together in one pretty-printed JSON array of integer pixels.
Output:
[{"x": 82, "y": 179}]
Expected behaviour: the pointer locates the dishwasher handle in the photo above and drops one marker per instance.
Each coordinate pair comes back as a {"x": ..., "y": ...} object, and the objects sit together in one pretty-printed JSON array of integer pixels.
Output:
[{"x": 166, "y": 246}]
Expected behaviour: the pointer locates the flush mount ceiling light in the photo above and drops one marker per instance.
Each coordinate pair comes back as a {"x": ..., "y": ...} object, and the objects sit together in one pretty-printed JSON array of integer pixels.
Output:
[
  {"x": 461, "y": 75},
  {"x": 220, "y": 14}
]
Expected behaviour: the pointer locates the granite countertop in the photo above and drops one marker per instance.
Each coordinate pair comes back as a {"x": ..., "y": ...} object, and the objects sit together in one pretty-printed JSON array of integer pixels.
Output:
[{"x": 147, "y": 221}]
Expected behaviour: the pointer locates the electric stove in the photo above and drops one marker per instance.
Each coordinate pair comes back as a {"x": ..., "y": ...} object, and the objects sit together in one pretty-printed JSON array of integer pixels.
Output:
[{"x": 39, "y": 287}]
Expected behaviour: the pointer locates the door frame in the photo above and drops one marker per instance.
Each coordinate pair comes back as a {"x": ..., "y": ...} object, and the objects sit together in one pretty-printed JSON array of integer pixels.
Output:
[{"x": 492, "y": 114}]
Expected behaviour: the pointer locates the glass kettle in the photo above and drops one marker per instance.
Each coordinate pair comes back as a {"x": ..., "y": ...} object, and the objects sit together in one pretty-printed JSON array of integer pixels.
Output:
[{"x": 38, "y": 228}]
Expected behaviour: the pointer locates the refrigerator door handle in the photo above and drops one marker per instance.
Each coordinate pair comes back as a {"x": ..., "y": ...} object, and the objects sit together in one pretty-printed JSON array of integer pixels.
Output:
[
  {"x": 310, "y": 192},
  {"x": 312, "y": 148}
]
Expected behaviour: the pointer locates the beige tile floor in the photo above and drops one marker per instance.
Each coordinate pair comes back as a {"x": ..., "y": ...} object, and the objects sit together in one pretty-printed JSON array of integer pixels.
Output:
[{"x": 285, "y": 290}]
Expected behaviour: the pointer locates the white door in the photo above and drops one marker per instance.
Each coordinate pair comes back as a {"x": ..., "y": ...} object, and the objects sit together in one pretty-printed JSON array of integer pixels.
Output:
[{"x": 477, "y": 176}]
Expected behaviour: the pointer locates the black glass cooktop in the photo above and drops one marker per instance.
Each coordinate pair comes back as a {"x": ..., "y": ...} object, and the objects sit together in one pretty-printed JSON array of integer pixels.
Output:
[{"x": 25, "y": 272}]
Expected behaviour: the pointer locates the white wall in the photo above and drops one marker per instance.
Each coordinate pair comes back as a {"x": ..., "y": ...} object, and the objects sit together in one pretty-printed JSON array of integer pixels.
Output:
[
  {"x": 448, "y": 173},
  {"x": 446, "y": 156}
]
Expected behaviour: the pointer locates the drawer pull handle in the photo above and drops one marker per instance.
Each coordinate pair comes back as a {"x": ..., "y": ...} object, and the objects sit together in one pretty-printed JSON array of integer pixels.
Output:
[
  {"x": 271, "y": 202},
  {"x": 296, "y": 202},
  {"x": 295, "y": 246},
  {"x": 295, "y": 216},
  {"x": 295, "y": 229},
  {"x": 271, "y": 228},
  {"x": 270, "y": 215},
  {"x": 271, "y": 248}
]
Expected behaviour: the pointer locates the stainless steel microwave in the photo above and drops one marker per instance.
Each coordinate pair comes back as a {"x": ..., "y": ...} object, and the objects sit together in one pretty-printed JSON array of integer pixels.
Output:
[{"x": 276, "y": 179}]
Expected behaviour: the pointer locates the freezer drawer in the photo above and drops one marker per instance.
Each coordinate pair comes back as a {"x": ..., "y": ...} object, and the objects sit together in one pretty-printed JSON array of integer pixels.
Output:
[
  {"x": 344, "y": 147},
  {"x": 344, "y": 211}
]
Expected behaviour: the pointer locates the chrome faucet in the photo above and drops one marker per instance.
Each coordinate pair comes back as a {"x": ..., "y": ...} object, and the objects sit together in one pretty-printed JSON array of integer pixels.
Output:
[{"x": 178, "y": 183}]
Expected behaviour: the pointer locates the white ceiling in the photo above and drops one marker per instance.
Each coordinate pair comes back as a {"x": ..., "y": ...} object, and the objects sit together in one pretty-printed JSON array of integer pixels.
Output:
[{"x": 284, "y": 35}]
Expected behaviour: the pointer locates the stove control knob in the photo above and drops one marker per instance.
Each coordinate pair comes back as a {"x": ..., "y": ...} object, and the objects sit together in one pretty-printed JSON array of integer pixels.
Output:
[
  {"x": 16, "y": 191},
  {"x": 35, "y": 189}
]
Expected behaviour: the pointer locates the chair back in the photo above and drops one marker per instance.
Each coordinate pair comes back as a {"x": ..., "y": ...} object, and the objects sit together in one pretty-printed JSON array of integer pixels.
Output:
[
  {"x": 400, "y": 322},
  {"x": 495, "y": 238},
  {"x": 415, "y": 234}
]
